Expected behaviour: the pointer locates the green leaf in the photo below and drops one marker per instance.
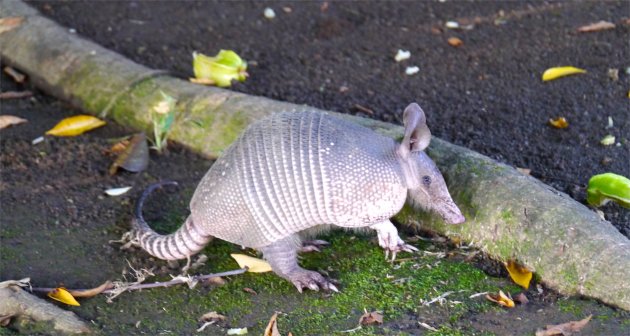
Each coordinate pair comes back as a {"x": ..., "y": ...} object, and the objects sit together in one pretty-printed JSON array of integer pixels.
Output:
[{"x": 607, "y": 187}]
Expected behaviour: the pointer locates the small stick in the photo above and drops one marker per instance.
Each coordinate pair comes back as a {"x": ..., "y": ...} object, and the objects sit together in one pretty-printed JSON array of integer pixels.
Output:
[
  {"x": 157, "y": 284},
  {"x": 15, "y": 94},
  {"x": 363, "y": 109}
]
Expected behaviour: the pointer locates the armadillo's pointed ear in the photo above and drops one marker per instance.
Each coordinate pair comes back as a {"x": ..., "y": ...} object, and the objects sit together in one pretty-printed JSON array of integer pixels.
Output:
[{"x": 417, "y": 134}]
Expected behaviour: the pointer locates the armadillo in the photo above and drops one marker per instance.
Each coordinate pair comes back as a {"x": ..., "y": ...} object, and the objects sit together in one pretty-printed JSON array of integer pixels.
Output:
[{"x": 298, "y": 172}]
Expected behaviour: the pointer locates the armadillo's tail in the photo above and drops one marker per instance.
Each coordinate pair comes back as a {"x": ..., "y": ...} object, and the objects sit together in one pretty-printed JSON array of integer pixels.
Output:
[{"x": 181, "y": 244}]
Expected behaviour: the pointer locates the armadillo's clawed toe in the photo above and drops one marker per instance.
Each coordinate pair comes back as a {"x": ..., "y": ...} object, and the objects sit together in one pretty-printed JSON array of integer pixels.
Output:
[{"x": 311, "y": 280}]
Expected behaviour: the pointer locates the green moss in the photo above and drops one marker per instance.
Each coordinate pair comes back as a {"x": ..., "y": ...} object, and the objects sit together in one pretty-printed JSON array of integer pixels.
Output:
[{"x": 570, "y": 306}]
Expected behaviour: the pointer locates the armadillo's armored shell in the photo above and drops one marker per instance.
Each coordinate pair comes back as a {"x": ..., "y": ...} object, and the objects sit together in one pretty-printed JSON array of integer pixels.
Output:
[{"x": 296, "y": 170}]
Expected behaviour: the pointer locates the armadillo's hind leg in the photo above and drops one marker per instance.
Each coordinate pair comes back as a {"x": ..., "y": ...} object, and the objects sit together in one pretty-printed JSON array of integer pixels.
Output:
[
  {"x": 282, "y": 256},
  {"x": 313, "y": 245}
]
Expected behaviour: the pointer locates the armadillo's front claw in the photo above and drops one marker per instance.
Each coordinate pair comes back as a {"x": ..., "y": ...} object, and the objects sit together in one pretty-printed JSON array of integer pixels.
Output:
[
  {"x": 389, "y": 240},
  {"x": 309, "y": 279}
]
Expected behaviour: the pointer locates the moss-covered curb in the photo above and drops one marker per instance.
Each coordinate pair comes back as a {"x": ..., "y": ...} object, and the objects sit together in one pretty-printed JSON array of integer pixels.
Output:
[{"x": 509, "y": 215}]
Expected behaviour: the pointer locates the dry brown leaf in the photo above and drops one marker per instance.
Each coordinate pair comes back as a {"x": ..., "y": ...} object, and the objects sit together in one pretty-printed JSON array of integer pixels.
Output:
[
  {"x": 15, "y": 94},
  {"x": 118, "y": 147},
  {"x": 272, "y": 327},
  {"x": 134, "y": 158},
  {"x": 501, "y": 299},
  {"x": 560, "y": 122},
  {"x": 16, "y": 75},
  {"x": 455, "y": 42},
  {"x": 211, "y": 316},
  {"x": 9, "y": 120},
  {"x": 565, "y": 329},
  {"x": 371, "y": 318},
  {"x": 91, "y": 292},
  {"x": 597, "y": 26},
  {"x": 250, "y": 291},
  {"x": 215, "y": 281},
  {"x": 524, "y": 171},
  {"x": 9, "y": 23},
  {"x": 521, "y": 298}
]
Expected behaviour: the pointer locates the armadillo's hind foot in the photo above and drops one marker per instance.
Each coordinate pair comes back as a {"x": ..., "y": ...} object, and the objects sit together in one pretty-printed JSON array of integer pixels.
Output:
[{"x": 282, "y": 256}]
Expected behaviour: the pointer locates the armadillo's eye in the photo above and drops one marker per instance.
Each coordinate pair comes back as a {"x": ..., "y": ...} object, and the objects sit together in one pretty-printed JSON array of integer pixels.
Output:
[{"x": 426, "y": 180}]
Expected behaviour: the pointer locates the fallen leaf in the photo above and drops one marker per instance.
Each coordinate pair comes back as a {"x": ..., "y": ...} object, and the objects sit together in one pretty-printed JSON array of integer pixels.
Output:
[
  {"x": 557, "y": 72},
  {"x": 135, "y": 157},
  {"x": 211, "y": 316},
  {"x": 120, "y": 146},
  {"x": 519, "y": 274},
  {"x": 272, "y": 326},
  {"x": 521, "y": 298},
  {"x": 524, "y": 171},
  {"x": 565, "y": 329},
  {"x": 597, "y": 26},
  {"x": 15, "y": 94},
  {"x": 250, "y": 291},
  {"x": 402, "y": 55},
  {"x": 75, "y": 125},
  {"x": 560, "y": 122},
  {"x": 237, "y": 331},
  {"x": 16, "y": 75},
  {"x": 613, "y": 74},
  {"x": 220, "y": 69},
  {"x": 117, "y": 191},
  {"x": 371, "y": 318},
  {"x": 93, "y": 291},
  {"x": 412, "y": 70},
  {"x": 9, "y": 120},
  {"x": 254, "y": 265},
  {"x": 215, "y": 281},
  {"x": 62, "y": 295},
  {"x": 501, "y": 299},
  {"x": 607, "y": 140},
  {"x": 455, "y": 42},
  {"x": 607, "y": 187},
  {"x": 37, "y": 140},
  {"x": 9, "y": 23}
]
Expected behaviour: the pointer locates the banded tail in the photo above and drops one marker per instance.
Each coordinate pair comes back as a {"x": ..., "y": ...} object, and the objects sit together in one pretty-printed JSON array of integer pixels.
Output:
[{"x": 180, "y": 244}]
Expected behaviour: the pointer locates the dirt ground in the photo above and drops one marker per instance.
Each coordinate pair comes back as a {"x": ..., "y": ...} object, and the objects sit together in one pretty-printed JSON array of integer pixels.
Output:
[{"x": 486, "y": 95}]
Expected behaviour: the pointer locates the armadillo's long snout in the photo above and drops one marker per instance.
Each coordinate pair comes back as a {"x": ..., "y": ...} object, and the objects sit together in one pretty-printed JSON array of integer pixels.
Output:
[{"x": 451, "y": 214}]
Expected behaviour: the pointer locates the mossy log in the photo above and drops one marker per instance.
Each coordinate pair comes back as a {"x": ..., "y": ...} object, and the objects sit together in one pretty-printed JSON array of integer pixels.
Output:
[
  {"x": 29, "y": 313},
  {"x": 509, "y": 215}
]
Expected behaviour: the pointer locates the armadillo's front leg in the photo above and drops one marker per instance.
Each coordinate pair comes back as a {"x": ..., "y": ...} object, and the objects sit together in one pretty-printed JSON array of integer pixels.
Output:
[
  {"x": 389, "y": 240},
  {"x": 282, "y": 256}
]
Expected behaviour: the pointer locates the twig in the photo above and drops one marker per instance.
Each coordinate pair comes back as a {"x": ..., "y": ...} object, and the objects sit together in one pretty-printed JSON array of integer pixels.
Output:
[
  {"x": 176, "y": 281},
  {"x": 15, "y": 94},
  {"x": 363, "y": 109}
]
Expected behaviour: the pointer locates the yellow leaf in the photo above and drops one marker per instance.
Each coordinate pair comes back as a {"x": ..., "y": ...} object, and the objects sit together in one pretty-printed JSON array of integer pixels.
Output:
[
  {"x": 560, "y": 122},
  {"x": 62, "y": 295},
  {"x": 254, "y": 265},
  {"x": 501, "y": 299},
  {"x": 557, "y": 72},
  {"x": 75, "y": 125},
  {"x": 519, "y": 274}
]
